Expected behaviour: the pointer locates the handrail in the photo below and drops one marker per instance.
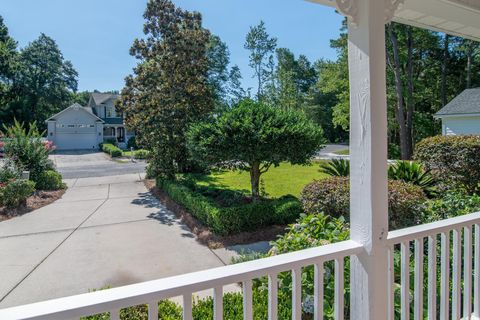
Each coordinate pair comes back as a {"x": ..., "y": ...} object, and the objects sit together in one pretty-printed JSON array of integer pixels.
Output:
[
  {"x": 141, "y": 293},
  {"x": 425, "y": 230}
]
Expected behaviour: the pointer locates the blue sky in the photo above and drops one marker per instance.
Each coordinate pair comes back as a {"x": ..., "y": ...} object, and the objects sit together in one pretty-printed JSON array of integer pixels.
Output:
[{"x": 97, "y": 34}]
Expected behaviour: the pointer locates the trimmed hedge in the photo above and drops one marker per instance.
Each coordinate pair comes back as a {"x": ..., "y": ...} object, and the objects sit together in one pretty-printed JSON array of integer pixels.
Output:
[
  {"x": 332, "y": 197},
  {"x": 455, "y": 159},
  {"x": 50, "y": 180},
  {"x": 235, "y": 218},
  {"x": 112, "y": 150},
  {"x": 15, "y": 193}
]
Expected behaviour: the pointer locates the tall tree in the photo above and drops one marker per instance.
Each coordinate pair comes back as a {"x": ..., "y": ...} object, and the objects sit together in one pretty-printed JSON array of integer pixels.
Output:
[
  {"x": 45, "y": 80},
  {"x": 261, "y": 47},
  {"x": 9, "y": 63},
  {"x": 170, "y": 87}
]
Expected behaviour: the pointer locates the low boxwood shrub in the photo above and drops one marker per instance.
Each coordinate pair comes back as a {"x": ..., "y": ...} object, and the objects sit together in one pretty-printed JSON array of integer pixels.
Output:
[
  {"x": 141, "y": 154},
  {"x": 332, "y": 196},
  {"x": 50, "y": 180},
  {"x": 234, "y": 218},
  {"x": 112, "y": 150},
  {"x": 15, "y": 193},
  {"x": 453, "y": 159}
]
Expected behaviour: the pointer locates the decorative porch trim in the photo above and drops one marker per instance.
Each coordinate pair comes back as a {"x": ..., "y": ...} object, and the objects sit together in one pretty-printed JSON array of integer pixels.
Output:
[{"x": 349, "y": 8}]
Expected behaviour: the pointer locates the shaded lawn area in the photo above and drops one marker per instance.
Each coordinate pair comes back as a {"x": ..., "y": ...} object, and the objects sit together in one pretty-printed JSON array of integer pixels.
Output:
[
  {"x": 345, "y": 152},
  {"x": 282, "y": 180}
]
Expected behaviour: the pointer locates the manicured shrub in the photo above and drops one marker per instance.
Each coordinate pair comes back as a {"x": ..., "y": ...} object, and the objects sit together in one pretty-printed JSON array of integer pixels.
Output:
[
  {"x": 27, "y": 150},
  {"x": 50, "y": 180},
  {"x": 455, "y": 160},
  {"x": 16, "y": 192},
  {"x": 332, "y": 196},
  {"x": 224, "y": 220},
  {"x": 451, "y": 204},
  {"x": 141, "y": 154},
  {"x": 336, "y": 167},
  {"x": 112, "y": 150}
]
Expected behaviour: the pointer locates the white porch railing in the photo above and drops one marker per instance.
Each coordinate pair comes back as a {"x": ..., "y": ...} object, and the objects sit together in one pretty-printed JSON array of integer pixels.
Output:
[{"x": 465, "y": 286}]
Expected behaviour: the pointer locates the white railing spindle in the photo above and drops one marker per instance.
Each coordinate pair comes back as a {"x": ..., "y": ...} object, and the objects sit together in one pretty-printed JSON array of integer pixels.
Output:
[
  {"x": 318, "y": 291},
  {"x": 432, "y": 277},
  {"x": 445, "y": 276},
  {"x": 187, "y": 306},
  {"x": 115, "y": 315},
  {"x": 467, "y": 273},
  {"x": 405, "y": 280},
  {"x": 418, "y": 293},
  {"x": 272, "y": 297},
  {"x": 153, "y": 310},
  {"x": 339, "y": 285},
  {"x": 218, "y": 303},
  {"x": 391, "y": 283},
  {"x": 476, "y": 275},
  {"x": 247, "y": 300},
  {"x": 456, "y": 274},
  {"x": 297, "y": 294}
]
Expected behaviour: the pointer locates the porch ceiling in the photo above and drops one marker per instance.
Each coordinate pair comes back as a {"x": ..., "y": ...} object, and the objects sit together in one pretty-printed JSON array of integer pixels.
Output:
[{"x": 455, "y": 17}]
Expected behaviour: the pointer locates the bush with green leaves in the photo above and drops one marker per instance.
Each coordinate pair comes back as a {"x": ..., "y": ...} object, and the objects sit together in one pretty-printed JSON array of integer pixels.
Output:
[
  {"x": 112, "y": 150},
  {"x": 451, "y": 204},
  {"x": 50, "y": 180},
  {"x": 253, "y": 136},
  {"x": 414, "y": 173},
  {"x": 27, "y": 149},
  {"x": 132, "y": 143},
  {"x": 141, "y": 154},
  {"x": 15, "y": 193},
  {"x": 224, "y": 217},
  {"x": 453, "y": 160},
  {"x": 9, "y": 171},
  {"x": 332, "y": 196},
  {"x": 336, "y": 168}
]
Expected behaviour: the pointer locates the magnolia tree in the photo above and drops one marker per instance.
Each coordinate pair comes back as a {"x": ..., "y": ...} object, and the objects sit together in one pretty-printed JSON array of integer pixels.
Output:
[{"x": 253, "y": 137}]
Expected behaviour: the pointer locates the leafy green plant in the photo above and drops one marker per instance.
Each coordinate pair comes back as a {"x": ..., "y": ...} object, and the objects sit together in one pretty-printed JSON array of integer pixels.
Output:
[
  {"x": 336, "y": 168},
  {"x": 50, "y": 180},
  {"x": 27, "y": 150},
  {"x": 141, "y": 154},
  {"x": 16, "y": 192},
  {"x": 451, "y": 204},
  {"x": 453, "y": 160},
  {"x": 112, "y": 150},
  {"x": 9, "y": 171},
  {"x": 332, "y": 196},
  {"x": 414, "y": 173}
]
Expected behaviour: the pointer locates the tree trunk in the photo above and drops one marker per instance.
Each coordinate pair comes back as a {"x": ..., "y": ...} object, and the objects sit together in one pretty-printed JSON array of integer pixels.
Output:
[
  {"x": 400, "y": 109},
  {"x": 443, "y": 88},
  {"x": 410, "y": 100},
  {"x": 469, "y": 63},
  {"x": 255, "y": 180}
]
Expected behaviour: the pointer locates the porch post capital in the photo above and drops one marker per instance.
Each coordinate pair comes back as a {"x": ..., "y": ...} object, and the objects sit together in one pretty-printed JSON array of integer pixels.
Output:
[{"x": 349, "y": 8}]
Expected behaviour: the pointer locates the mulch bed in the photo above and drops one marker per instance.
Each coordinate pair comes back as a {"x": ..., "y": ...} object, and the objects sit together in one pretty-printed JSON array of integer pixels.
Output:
[
  {"x": 37, "y": 200},
  {"x": 203, "y": 234}
]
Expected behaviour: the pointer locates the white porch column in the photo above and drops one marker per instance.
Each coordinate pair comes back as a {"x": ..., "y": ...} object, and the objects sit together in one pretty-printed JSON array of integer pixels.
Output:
[{"x": 368, "y": 153}]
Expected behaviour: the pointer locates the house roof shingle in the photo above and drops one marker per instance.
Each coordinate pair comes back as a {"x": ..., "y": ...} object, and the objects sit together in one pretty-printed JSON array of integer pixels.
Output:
[
  {"x": 99, "y": 97},
  {"x": 467, "y": 102}
]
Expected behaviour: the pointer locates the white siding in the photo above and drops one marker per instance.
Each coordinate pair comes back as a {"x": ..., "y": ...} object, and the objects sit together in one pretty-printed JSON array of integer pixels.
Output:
[{"x": 461, "y": 126}]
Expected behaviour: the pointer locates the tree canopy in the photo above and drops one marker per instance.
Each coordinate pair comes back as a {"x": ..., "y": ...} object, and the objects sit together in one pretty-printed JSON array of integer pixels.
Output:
[{"x": 254, "y": 136}]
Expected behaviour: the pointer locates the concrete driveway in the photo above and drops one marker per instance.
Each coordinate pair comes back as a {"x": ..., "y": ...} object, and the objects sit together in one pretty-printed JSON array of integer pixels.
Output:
[
  {"x": 83, "y": 164},
  {"x": 105, "y": 231}
]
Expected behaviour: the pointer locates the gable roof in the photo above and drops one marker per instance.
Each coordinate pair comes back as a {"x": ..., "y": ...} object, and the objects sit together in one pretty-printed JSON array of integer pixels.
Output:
[
  {"x": 75, "y": 106},
  {"x": 467, "y": 102},
  {"x": 99, "y": 97}
]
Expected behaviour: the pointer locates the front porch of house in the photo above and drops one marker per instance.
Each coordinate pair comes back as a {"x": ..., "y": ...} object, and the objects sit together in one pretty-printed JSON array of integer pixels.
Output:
[
  {"x": 430, "y": 270},
  {"x": 114, "y": 132}
]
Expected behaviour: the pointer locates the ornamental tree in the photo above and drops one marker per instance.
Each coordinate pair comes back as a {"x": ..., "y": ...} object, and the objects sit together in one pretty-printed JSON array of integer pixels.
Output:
[{"x": 253, "y": 136}]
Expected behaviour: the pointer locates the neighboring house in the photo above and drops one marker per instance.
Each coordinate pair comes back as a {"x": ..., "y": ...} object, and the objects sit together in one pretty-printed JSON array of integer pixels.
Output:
[
  {"x": 78, "y": 127},
  {"x": 462, "y": 115}
]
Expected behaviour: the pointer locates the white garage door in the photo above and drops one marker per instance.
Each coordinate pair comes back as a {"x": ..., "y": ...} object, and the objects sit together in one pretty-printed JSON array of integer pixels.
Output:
[{"x": 76, "y": 141}]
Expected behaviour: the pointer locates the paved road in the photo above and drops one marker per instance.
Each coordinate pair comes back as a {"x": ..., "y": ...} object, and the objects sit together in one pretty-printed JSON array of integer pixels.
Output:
[
  {"x": 84, "y": 164},
  {"x": 105, "y": 231}
]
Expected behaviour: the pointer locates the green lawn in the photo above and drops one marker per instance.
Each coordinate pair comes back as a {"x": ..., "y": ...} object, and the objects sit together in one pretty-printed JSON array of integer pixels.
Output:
[
  {"x": 345, "y": 152},
  {"x": 279, "y": 181}
]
